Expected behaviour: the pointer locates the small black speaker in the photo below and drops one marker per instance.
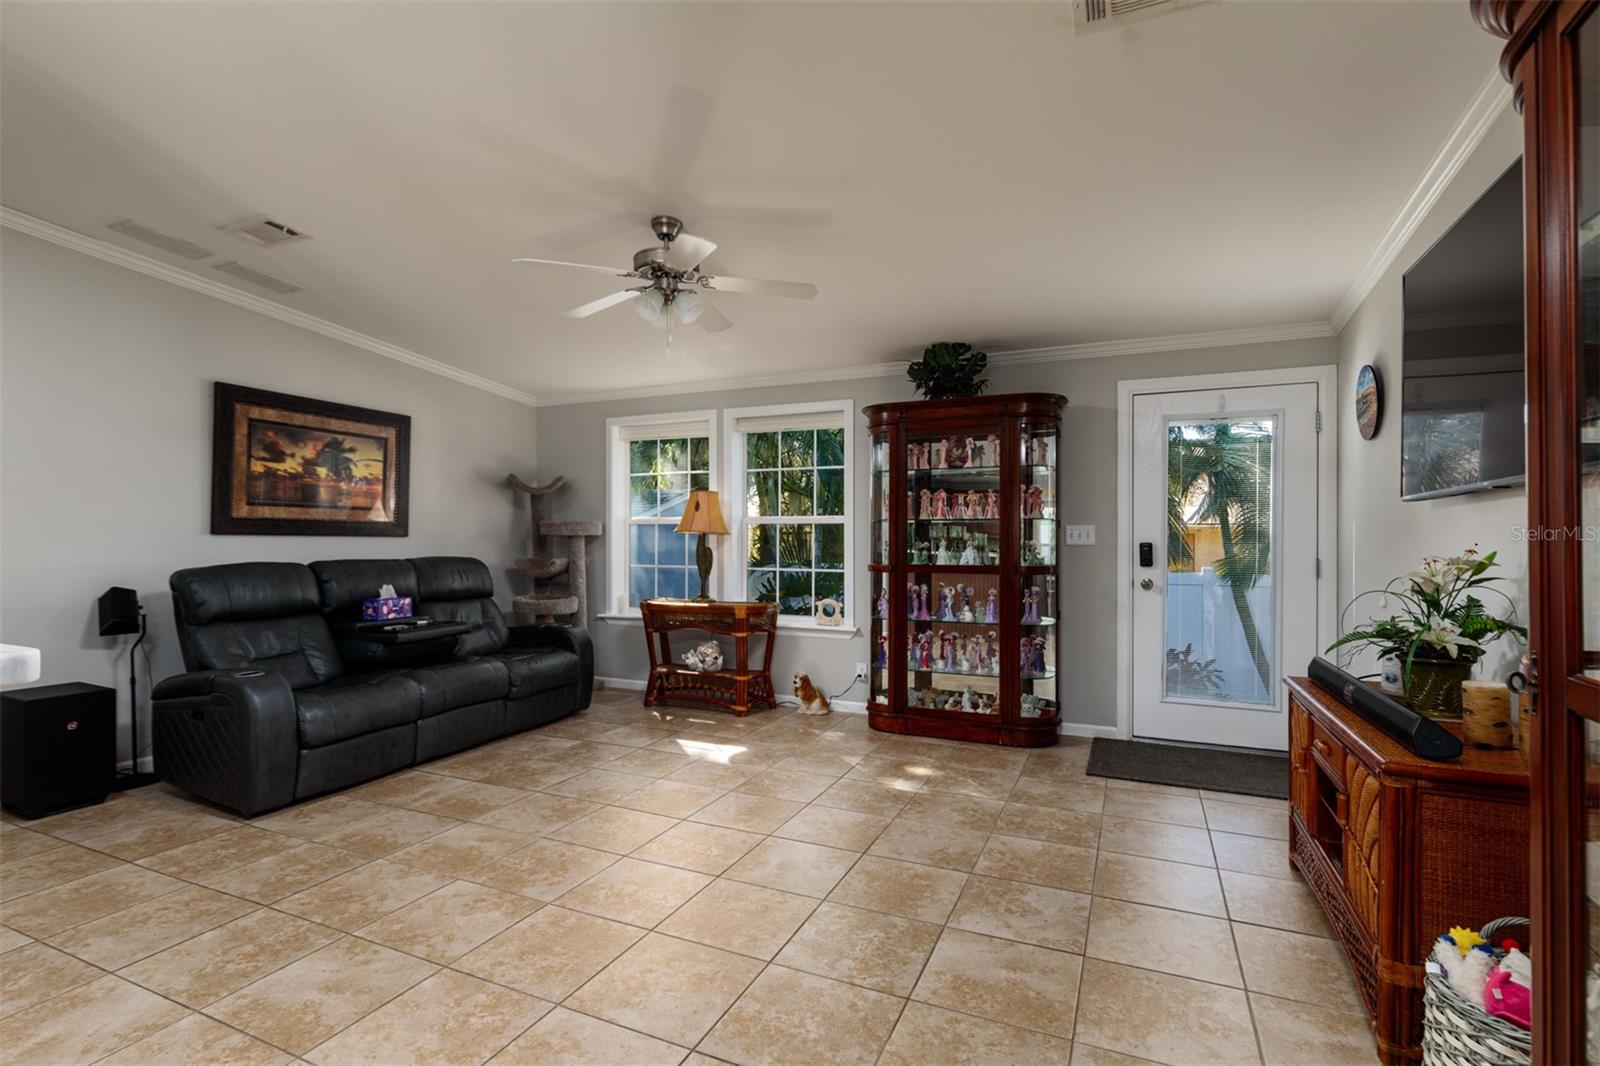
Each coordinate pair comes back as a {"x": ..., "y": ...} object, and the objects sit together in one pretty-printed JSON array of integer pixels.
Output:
[
  {"x": 1422, "y": 735},
  {"x": 58, "y": 747},
  {"x": 119, "y": 612}
]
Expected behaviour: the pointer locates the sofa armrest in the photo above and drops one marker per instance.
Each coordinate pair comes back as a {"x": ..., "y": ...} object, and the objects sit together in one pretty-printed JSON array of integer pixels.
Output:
[
  {"x": 228, "y": 736},
  {"x": 568, "y": 638}
]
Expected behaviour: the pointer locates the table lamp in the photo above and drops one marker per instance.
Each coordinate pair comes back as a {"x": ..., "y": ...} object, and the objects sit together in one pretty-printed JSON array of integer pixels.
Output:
[{"x": 703, "y": 515}]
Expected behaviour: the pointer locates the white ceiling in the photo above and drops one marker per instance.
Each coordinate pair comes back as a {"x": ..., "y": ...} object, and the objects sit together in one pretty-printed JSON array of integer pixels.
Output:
[{"x": 940, "y": 171}]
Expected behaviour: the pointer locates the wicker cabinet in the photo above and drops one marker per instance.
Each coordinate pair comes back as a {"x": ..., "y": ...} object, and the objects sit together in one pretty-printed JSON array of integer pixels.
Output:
[
  {"x": 1397, "y": 849},
  {"x": 962, "y": 569}
]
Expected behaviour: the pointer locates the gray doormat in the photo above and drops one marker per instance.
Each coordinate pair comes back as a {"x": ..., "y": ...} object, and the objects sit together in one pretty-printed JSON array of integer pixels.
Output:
[{"x": 1247, "y": 773}]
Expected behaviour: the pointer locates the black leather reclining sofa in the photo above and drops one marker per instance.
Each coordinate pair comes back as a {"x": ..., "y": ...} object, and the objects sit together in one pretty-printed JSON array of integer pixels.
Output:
[{"x": 287, "y": 700}]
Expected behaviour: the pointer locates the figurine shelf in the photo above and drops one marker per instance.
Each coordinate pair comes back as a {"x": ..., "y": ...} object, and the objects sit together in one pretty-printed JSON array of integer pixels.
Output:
[{"x": 963, "y": 568}]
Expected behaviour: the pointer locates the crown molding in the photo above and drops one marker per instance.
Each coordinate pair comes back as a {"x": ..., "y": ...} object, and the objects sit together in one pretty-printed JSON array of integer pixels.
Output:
[
  {"x": 1222, "y": 338},
  {"x": 755, "y": 381},
  {"x": 1493, "y": 97},
  {"x": 143, "y": 264},
  {"x": 1014, "y": 357}
]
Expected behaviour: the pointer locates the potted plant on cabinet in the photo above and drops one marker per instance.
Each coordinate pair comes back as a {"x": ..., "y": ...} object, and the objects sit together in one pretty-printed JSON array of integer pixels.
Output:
[
  {"x": 949, "y": 368},
  {"x": 1439, "y": 631}
]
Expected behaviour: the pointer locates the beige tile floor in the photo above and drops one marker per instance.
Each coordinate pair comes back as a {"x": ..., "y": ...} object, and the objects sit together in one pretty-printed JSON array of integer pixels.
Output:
[{"x": 677, "y": 886}]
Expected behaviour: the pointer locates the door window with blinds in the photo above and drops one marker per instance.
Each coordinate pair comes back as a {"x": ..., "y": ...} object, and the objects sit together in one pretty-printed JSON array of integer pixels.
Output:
[
  {"x": 655, "y": 464},
  {"x": 790, "y": 504}
]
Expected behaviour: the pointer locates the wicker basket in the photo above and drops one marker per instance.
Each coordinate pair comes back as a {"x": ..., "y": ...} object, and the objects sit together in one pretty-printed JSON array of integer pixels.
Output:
[{"x": 1458, "y": 1033}]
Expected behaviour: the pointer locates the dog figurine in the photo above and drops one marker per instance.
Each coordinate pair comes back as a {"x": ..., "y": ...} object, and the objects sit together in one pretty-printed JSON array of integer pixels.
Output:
[{"x": 812, "y": 700}]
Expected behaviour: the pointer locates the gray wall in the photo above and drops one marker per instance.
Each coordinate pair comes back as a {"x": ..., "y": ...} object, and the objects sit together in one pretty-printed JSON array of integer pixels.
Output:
[
  {"x": 572, "y": 442},
  {"x": 105, "y": 451},
  {"x": 1381, "y": 537}
]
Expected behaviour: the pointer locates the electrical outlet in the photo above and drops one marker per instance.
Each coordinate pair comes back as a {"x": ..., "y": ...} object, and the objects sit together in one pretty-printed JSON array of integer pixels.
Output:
[
  {"x": 1078, "y": 534},
  {"x": 861, "y": 671}
]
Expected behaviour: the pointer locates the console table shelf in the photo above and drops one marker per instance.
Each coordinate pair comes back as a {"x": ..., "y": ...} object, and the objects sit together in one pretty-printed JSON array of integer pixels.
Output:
[{"x": 738, "y": 689}]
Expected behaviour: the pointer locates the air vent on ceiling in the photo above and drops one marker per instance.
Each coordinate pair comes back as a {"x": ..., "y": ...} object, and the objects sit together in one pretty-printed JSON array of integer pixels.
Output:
[
  {"x": 256, "y": 277},
  {"x": 167, "y": 243},
  {"x": 268, "y": 232},
  {"x": 1098, "y": 14}
]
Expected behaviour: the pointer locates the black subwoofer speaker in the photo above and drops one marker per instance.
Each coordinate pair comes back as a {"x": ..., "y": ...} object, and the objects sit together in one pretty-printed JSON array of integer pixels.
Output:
[{"x": 58, "y": 747}]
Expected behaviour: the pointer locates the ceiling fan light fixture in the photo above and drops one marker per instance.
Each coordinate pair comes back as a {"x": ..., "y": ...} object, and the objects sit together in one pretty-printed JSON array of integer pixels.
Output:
[
  {"x": 686, "y": 307},
  {"x": 652, "y": 307}
]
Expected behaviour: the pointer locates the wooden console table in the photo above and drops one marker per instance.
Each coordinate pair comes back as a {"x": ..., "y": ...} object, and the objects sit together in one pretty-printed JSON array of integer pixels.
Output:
[
  {"x": 1398, "y": 849},
  {"x": 737, "y": 689}
]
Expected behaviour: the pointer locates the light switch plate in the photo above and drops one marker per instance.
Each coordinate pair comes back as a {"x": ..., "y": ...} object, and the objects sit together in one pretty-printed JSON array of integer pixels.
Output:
[{"x": 1078, "y": 534}]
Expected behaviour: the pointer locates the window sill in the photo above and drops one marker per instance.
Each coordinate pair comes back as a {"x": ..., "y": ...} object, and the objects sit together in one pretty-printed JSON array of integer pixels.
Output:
[{"x": 798, "y": 626}]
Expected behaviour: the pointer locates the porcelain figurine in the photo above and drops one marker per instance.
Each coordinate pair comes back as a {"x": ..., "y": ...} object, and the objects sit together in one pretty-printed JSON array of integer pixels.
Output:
[
  {"x": 991, "y": 608},
  {"x": 969, "y": 555},
  {"x": 925, "y": 504},
  {"x": 991, "y": 503},
  {"x": 991, "y": 450},
  {"x": 965, "y": 613},
  {"x": 991, "y": 650},
  {"x": 922, "y": 603},
  {"x": 882, "y": 607},
  {"x": 924, "y": 651},
  {"x": 947, "y": 648},
  {"x": 941, "y": 505},
  {"x": 946, "y": 614}
]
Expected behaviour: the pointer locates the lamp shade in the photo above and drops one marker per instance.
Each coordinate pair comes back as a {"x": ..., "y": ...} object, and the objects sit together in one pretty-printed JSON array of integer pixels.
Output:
[{"x": 703, "y": 514}]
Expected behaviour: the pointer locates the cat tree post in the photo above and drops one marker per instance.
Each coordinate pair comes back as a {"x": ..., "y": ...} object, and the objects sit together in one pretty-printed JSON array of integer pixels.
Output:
[{"x": 555, "y": 601}]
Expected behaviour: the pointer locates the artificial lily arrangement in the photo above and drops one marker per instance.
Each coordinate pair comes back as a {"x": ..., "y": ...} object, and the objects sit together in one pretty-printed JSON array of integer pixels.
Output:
[{"x": 1441, "y": 616}]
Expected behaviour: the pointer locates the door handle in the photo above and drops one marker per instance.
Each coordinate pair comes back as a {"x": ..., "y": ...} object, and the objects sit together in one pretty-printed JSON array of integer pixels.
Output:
[{"x": 1147, "y": 584}]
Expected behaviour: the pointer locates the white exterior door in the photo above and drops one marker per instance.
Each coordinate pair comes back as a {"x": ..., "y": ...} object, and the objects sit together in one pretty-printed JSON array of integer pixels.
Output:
[{"x": 1225, "y": 569}]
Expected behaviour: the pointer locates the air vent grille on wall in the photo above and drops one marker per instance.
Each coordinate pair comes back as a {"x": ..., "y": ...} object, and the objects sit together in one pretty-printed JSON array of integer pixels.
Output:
[
  {"x": 176, "y": 245},
  {"x": 256, "y": 277},
  {"x": 268, "y": 232},
  {"x": 1098, "y": 14}
]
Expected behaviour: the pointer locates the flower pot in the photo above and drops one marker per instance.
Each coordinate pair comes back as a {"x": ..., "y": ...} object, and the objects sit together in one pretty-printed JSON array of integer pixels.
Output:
[{"x": 1433, "y": 688}]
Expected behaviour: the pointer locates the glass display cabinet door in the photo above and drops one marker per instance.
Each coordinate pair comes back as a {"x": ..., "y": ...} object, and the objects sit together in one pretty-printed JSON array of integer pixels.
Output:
[
  {"x": 951, "y": 601},
  {"x": 881, "y": 479},
  {"x": 1578, "y": 722},
  {"x": 1039, "y": 538}
]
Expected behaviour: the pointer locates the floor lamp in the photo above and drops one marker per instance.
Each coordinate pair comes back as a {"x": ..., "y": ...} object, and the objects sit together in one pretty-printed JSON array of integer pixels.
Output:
[{"x": 121, "y": 614}]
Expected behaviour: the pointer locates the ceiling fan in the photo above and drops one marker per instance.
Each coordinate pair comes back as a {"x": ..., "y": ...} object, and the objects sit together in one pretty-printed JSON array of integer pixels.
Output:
[{"x": 672, "y": 281}]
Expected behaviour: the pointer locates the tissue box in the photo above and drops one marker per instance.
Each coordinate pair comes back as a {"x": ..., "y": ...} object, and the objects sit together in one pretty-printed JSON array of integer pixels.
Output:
[{"x": 384, "y": 608}]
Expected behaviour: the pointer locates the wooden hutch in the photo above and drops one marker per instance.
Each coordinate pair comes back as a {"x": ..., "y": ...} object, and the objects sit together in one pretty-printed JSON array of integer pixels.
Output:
[
  {"x": 1552, "y": 59},
  {"x": 963, "y": 568}
]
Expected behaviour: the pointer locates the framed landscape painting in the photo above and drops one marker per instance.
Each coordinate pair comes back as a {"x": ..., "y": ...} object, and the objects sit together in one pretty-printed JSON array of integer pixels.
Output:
[{"x": 291, "y": 465}]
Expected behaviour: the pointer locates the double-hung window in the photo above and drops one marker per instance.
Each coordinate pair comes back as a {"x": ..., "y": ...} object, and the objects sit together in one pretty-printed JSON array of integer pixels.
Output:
[
  {"x": 655, "y": 461},
  {"x": 789, "y": 505}
]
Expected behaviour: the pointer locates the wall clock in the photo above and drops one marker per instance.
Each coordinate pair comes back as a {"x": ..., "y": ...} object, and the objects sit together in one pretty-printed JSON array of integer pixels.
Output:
[{"x": 1369, "y": 401}]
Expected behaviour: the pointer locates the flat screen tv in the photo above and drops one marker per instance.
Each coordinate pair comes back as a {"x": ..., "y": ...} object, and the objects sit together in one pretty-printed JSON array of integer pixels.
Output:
[{"x": 1462, "y": 390}]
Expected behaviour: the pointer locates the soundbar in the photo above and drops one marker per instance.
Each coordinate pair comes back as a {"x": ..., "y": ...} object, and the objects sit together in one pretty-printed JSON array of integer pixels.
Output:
[{"x": 1422, "y": 735}]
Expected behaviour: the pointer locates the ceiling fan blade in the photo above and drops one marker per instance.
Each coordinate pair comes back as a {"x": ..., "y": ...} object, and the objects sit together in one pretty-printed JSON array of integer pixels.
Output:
[
  {"x": 796, "y": 290},
  {"x": 687, "y": 252},
  {"x": 596, "y": 306},
  {"x": 711, "y": 320},
  {"x": 613, "y": 271}
]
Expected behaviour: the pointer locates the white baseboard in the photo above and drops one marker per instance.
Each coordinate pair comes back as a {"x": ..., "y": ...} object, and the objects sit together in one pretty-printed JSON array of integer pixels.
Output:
[
  {"x": 628, "y": 684},
  {"x": 1080, "y": 729}
]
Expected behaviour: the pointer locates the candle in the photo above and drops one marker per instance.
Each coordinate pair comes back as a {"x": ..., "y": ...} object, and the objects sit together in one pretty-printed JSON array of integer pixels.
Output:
[{"x": 1486, "y": 714}]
